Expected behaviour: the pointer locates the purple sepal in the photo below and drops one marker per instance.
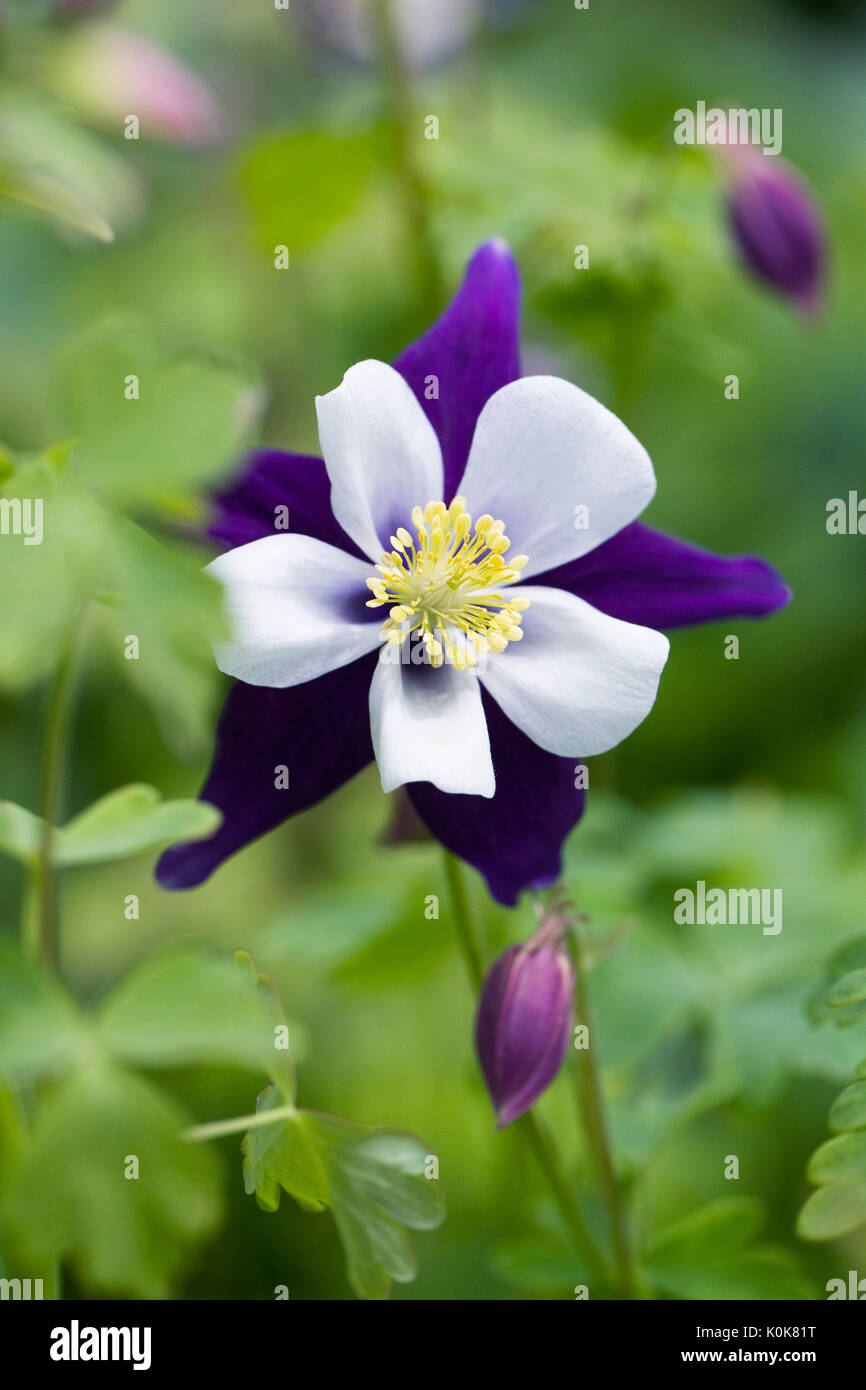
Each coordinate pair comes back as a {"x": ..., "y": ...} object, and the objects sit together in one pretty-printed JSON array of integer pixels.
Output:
[
  {"x": 644, "y": 576},
  {"x": 523, "y": 1026},
  {"x": 468, "y": 353},
  {"x": 268, "y": 482},
  {"x": 319, "y": 731},
  {"x": 513, "y": 838}
]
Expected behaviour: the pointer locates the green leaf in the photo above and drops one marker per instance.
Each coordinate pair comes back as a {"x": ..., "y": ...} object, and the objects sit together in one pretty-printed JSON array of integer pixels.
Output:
[
  {"x": 708, "y": 1254},
  {"x": 54, "y": 168},
  {"x": 842, "y": 1159},
  {"x": 132, "y": 820},
  {"x": 185, "y": 1006},
  {"x": 851, "y": 989},
  {"x": 41, "y": 1032},
  {"x": 48, "y": 560},
  {"x": 833, "y": 1211},
  {"x": 371, "y": 1179},
  {"x": 11, "y": 1135},
  {"x": 838, "y": 1168},
  {"x": 841, "y": 997},
  {"x": 20, "y": 832},
  {"x": 538, "y": 1268},
  {"x": 300, "y": 184},
  {"x": 70, "y": 1198},
  {"x": 175, "y": 611},
  {"x": 283, "y": 1155},
  {"x": 190, "y": 419},
  {"x": 849, "y": 1110},
  {"x": 724, "y": 1227}
]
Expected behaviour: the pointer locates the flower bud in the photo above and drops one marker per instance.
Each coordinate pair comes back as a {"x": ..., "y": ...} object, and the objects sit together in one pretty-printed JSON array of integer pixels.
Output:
[
  {"x": 109, "y": 74},
  {"x": 776, "y": 225},
  {"x": 523, "y": 1024}
]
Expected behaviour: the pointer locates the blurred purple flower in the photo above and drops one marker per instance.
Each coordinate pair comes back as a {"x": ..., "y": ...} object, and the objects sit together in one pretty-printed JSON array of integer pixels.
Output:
[
  {"x": 109, "y": 73},
  {"x": 776, "y": 226},
  {"x": 523, "y": 1025}
]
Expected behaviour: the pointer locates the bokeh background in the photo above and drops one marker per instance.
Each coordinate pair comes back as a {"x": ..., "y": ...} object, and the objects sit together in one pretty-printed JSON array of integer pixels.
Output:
[{"x": 555, "y": 129}]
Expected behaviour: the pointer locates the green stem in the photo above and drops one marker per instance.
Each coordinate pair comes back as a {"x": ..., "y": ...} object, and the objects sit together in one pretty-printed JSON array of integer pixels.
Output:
[
  {"x": 536, "y": 1132},
  {"x": 41, "y": 921},
  {"x": 414, "y": 191},
  {"x": 468, "y": 933},
  {"x": 216, "y": 1129},
  {"x": 591, "y": 1105}
]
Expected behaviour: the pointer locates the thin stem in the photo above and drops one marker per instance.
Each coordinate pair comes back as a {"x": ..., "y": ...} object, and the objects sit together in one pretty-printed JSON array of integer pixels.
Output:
[
  {"x": 468, "y": 933},
  {"x": 197, "y": 1134},
  {"x": 536, "y": 1132},
  {"x": 415, "y": 194},
  {"x": 591, "y": 1105},
  {"x": 41, "y": 923},
  {"x": 542, "y": 1145}
]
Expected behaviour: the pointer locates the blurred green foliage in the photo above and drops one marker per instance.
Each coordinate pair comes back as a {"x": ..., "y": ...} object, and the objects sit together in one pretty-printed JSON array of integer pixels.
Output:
[{"x": 124, "y": 257}]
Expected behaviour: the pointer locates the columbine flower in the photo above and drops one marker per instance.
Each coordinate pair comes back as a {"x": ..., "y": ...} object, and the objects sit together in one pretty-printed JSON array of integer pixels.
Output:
[
  {"x": 511, "y": 633},
  {"x": 776, "y": 225},
  {"x": 523, "y": 1024}
]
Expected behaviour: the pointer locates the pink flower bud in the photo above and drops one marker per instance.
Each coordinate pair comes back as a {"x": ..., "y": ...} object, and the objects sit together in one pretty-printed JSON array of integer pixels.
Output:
[{"x": 110, "y": 73}]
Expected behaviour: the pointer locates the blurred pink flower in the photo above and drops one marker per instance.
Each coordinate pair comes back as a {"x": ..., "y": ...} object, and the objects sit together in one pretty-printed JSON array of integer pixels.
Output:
[{"x": 109, "y": 73}]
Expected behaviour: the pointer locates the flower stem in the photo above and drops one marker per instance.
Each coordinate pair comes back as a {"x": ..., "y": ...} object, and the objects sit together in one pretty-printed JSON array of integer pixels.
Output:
[
  {"x": 591, "y": 1105},
  {"x": 536, "y": 1132},
  {"x": 238, "y": 1124},
  {"x": 415, "y": 194},
  {"x": 41, "y": 923},
  {"x": 468, "y": 933}
]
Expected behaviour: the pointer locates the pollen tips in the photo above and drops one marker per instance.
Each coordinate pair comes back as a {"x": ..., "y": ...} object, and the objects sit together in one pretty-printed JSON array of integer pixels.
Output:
[{"x": 443, "y": 588}]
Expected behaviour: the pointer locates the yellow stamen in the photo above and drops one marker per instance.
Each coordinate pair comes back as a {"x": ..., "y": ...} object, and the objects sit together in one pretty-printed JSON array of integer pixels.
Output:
[{"x": 446, "y": 586}]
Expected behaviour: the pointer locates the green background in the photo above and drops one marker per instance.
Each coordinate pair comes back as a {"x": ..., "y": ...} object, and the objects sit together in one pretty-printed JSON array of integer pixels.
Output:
[{"x": 555, "y": 129}]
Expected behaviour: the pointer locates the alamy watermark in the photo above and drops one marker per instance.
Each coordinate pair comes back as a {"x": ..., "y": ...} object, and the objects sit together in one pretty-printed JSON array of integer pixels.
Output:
[
  {"x": 77, "y": 1343},
  {"x": 22, "y": 516},
  {"x": 737, "y": 126},
  {"x": 720, "y": 907}
]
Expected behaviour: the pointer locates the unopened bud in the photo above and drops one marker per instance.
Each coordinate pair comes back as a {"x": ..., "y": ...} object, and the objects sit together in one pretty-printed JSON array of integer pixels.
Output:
[
  {"x": 776, "y": 226},
  {"x": 523, "y": 1026}
]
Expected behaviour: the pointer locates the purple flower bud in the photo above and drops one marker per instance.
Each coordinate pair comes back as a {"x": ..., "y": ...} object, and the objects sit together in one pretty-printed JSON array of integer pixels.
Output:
[
  {"x": 523, "y": 1025},
  {"x": 777, "y": 226}
]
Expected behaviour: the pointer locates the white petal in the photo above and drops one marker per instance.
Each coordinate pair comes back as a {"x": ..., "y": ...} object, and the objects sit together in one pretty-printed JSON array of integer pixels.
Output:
[
  {"x": 295, "y": 609},
  {"x": 579, "y": 682},
  {"x": 381, "y": 453},
  {"x": 428, "y": 725},
  {"x": 542, "y": 449}
]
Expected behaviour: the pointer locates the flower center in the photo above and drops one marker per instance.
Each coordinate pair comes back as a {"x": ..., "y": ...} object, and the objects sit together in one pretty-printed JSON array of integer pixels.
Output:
[{"x": 446, "y": 586}]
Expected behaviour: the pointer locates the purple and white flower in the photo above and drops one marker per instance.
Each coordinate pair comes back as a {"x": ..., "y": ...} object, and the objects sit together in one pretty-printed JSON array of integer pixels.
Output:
[{"x": 465, "y": 594}]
